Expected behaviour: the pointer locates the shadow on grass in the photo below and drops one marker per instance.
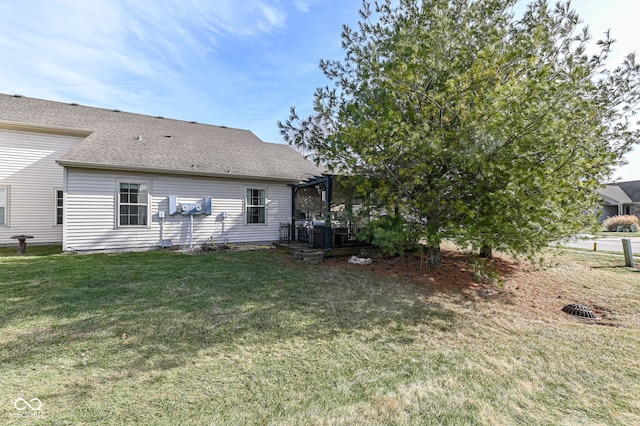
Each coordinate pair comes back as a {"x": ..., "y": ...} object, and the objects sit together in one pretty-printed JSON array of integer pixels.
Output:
[
  {"x": 32, "y": 250},
  {"x": 155, "y": 310}
]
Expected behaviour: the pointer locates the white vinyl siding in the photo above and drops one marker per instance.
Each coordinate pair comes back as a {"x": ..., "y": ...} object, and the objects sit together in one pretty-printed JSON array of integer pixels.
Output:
[
  {"x": 28, "y": 167},
  {"x": 91, "y": 211}
]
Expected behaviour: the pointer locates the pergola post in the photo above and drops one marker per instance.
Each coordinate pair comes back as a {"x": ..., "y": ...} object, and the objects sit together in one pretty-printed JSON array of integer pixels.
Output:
[
  {"x": 292, "y": 229},
  {"x": 327, "y": 218}
]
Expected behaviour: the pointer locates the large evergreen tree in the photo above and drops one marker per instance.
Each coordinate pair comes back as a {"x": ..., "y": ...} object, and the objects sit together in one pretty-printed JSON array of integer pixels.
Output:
[{"x": 477, "y": 125}]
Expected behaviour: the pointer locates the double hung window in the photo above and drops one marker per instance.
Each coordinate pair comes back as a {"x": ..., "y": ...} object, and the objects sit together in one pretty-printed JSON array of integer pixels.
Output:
[
  {"x": 59, "y": 206},
  {"x": 256, "y": 205},
  {"x": 133, "y": 204}
]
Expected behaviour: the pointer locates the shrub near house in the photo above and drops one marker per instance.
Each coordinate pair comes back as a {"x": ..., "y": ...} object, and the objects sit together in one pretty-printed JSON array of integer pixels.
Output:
[{"x": 626, "y": 222}]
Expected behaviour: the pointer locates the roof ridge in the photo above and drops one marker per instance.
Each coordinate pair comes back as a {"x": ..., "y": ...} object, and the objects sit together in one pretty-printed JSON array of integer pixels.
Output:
[{"x": 117, "y": 110}]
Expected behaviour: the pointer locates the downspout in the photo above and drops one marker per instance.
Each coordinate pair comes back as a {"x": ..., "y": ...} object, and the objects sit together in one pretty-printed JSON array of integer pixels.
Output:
[
  {"x": 65, "y": 177},
  {"x": 161, "y": 214},
  {"x": 191, "y": 232},
  {"x": 225, "y": 237}
]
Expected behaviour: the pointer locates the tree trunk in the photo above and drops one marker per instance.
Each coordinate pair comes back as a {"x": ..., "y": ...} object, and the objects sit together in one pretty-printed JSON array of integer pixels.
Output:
[
  {"x": 434, "y": 257},
  {"x": 485, "y": 252}
]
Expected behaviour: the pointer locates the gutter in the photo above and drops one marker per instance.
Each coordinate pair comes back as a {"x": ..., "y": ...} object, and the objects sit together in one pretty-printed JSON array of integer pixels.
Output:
[
  {"x": 53, "y": 130},
  {"x": 155, "y": 170}
]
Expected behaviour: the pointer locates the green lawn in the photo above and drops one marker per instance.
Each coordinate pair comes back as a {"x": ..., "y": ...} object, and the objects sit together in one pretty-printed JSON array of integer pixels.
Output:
[{"x": 251, "y": 338}]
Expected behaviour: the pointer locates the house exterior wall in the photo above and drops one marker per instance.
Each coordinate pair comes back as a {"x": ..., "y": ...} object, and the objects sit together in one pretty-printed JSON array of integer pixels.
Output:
[
  {"x": 607, "y": 210},
  {"x": 91, "y": 216},
  {"x": 30, "y": 177},
  {"x": 634, "y": 209}
]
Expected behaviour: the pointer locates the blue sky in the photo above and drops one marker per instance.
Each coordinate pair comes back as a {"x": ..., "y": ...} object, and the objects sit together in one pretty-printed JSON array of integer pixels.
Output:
[{"x": 239, "y": 63}]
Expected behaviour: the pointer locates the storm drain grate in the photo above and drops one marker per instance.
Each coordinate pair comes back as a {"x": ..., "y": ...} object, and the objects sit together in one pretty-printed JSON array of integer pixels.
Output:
[{"x": 579, "y": 310}]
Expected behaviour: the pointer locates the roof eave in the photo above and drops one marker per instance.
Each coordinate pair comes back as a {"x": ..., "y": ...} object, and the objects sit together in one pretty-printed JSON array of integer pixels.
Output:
[
  {"x": 54, "y": 130},
  {"x": 117, "y": 167}
]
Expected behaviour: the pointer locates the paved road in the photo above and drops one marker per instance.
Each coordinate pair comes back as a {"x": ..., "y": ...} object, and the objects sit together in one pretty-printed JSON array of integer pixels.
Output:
[{"x": 603, "y": 243}]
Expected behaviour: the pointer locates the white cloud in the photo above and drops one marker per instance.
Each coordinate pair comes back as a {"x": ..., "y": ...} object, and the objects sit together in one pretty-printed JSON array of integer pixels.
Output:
[
  {"x": 98, "y": 46},
  {"x": 303, "y": 5},
  {"x": 230, "y": 17}
]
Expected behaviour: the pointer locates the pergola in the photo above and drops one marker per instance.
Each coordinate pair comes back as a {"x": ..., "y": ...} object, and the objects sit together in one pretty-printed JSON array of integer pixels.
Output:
[
  {"x": 323, "y": 184},
  {"x": 322, "y": 213}
]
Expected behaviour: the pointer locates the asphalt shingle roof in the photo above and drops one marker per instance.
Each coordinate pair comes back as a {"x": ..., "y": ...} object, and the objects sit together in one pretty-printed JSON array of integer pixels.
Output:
[
  {"x": 632, "y": 189},
  {"x": 126, "y": 141},
  {"x": 622, "y": 192}
]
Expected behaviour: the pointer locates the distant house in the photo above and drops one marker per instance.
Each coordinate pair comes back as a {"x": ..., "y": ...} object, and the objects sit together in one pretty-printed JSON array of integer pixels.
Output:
[
  {"x": 97, "y": 179},
  {"x": 620, "y": 198}
]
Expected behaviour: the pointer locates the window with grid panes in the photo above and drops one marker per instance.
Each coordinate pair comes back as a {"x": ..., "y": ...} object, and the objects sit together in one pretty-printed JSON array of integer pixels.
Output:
[
  {"x": 59, "y": 206},
  {"x": 133, "y": 200},
  {"x": 256, "y": 205}
]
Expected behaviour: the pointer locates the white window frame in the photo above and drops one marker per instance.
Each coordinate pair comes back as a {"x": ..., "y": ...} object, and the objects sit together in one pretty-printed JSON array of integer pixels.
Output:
[
  {"x": 146, "y": 203},
  {"x": 56, "y": 207},
  {"x": 7, "y": 203},
  {"x": 247, "y": 206}
]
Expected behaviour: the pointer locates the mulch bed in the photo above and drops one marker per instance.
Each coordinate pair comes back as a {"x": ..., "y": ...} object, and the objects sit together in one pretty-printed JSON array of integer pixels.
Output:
[{"x": 515, "y": 284}]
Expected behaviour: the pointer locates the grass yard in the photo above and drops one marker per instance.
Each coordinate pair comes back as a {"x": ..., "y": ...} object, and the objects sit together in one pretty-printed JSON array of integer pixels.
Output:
[{"x": 251, "y": 338}]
